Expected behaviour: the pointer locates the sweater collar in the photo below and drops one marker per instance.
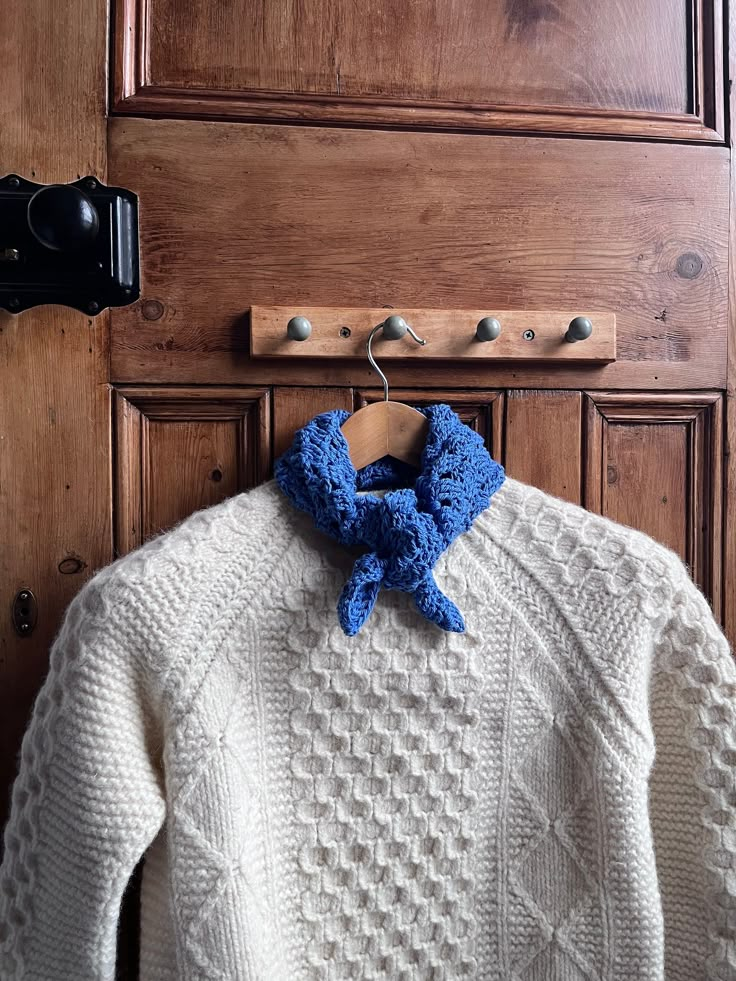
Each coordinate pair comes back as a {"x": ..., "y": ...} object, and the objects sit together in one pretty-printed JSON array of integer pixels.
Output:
[{"x": 410, "y": 526}]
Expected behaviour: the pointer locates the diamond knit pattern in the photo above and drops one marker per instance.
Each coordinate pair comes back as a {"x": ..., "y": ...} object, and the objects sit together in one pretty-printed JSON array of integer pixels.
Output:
[{"x": 553, "y": 841}]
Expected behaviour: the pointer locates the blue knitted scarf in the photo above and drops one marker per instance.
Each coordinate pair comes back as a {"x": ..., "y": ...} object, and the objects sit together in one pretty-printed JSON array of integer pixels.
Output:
[{"x": 407, "y": 529}]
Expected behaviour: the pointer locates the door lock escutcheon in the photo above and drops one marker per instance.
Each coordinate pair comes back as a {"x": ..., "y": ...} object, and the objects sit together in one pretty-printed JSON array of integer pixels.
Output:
[
  {"x": 71, "y": 244},
  {"x": 25, "y": 612}
]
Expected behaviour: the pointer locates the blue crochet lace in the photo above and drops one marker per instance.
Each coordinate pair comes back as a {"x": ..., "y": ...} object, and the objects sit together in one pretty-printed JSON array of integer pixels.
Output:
[{"x": 407, "y": 529}]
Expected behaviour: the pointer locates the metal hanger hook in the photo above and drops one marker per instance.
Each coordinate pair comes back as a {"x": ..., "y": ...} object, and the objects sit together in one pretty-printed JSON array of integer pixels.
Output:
[{"x": 393, "y": 328}]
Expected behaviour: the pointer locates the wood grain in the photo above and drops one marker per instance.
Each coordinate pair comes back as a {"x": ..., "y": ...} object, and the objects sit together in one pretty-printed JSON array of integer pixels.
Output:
[
  {"x": 544, "y": 441},
  {"x": 449, "y": 335},
  {"x": 729, "y": 445},
  {"x": 179, "y": 450},
  {"x": 654, "y": 462},
  {"x": 295, "y": 407},
  {"x": 55, "y": 501},
  {"x": 652, "y": 499},
  {"x": 511, "y": 64},
  {"x": 240, "y": 215},
  {"x": 156, "y": 101}
]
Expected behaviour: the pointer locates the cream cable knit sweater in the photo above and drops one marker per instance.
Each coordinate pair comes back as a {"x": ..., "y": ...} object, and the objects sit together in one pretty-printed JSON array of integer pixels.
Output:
[{"x": 404, "y": 804}]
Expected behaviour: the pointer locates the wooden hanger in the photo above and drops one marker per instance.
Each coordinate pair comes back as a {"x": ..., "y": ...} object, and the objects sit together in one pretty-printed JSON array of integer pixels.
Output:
[{"x": 386, "y": 427}]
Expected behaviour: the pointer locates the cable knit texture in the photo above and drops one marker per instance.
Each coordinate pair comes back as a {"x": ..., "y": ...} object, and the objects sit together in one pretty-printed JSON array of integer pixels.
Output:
[
  {"x": 407, "y": 529},
  {"x": 548, "y": 796}
]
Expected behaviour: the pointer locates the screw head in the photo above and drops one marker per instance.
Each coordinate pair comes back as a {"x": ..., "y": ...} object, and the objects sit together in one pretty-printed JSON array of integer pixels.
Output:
[
  {"x": 14, "y": 303},
  {"x": 23, "y": 595},
  {"x": 528, "y": 335},
  {"x": 91, "y": 183},
  {"x": 14, "y": 182},
  {"x": 93, "y": 306},
  {"x": 345, "y": 332},
  {"x": 25, "y": 627}
]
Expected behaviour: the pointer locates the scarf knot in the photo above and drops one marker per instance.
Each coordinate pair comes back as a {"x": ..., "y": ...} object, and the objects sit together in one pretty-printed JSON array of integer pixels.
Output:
[{"x": 407, "y": 529}]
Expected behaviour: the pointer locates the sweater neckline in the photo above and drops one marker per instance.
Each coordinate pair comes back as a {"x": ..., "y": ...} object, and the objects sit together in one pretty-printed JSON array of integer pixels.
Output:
[{"x": 408, "y": 527}]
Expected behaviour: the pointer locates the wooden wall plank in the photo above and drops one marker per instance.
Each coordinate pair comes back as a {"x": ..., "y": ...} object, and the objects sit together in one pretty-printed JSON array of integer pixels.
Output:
[
  {"x": 274, "y": 215},
  {"x": 543, "y": 436},
  {"x": 55, "y": 500}
]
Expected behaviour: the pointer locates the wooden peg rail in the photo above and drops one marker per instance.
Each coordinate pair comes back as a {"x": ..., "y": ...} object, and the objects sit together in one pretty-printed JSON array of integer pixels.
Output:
[{"x": 532, "y": 335}]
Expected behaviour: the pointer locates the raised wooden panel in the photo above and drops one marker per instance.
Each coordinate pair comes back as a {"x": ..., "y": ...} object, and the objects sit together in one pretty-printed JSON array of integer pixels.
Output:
[
  {"x": 481, "y": 410},
  {"x": 651, "y": 68},
  {"x": 241, "y": 215},
  {"x": 295, "y": 407},
  {"x": 544, "y": 441},
  {"x": 180, "y": 450},
  {"x": 654, "y": 462}
]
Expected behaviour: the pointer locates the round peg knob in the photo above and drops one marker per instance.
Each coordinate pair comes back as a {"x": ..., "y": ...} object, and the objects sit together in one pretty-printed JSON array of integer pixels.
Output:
[
  {"x": 298, "y": 329},
  {"x": 62, "y": 218},
  {"x": 580, "y": 329},
  {"x": 488, "y": 329},
  {"x": 394, "y": 327}
]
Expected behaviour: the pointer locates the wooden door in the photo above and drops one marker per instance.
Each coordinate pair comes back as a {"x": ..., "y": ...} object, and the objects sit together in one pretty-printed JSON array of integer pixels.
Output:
[{"x": 505, "y": 154}]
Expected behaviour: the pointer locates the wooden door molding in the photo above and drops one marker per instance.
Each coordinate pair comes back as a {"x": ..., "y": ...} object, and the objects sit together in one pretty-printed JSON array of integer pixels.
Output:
[
  {"x": 225, "y": 440},
  {"x": 328, "y": 84},
  {"x": 729, "y": 447},
  {"x": 655, "y": 461}
]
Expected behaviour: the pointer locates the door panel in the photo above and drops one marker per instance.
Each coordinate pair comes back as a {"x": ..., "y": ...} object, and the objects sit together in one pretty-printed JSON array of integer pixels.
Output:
[
  {"x": 544, "y": 441},
  {"x": 236, "y": 215},
  {"x": 294, "y": 407},
  {"x": 179, "y": 450},
  {"x": 654, "y": 462},
  {"x": 647, "y": 68}
]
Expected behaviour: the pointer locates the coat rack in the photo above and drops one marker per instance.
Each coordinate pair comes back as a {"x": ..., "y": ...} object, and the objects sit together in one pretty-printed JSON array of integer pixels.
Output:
[{"x": 484, "y": 335}]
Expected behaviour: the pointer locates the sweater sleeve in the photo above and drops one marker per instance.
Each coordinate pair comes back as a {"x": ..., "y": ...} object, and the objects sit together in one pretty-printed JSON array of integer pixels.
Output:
[
  {"x": 88, "y": 798},
  {"x": 693, "y": 789}
]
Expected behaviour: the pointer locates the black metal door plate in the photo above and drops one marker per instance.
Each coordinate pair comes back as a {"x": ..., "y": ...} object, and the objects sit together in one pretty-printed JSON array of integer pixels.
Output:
[{"x": 72, "y": 244}]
